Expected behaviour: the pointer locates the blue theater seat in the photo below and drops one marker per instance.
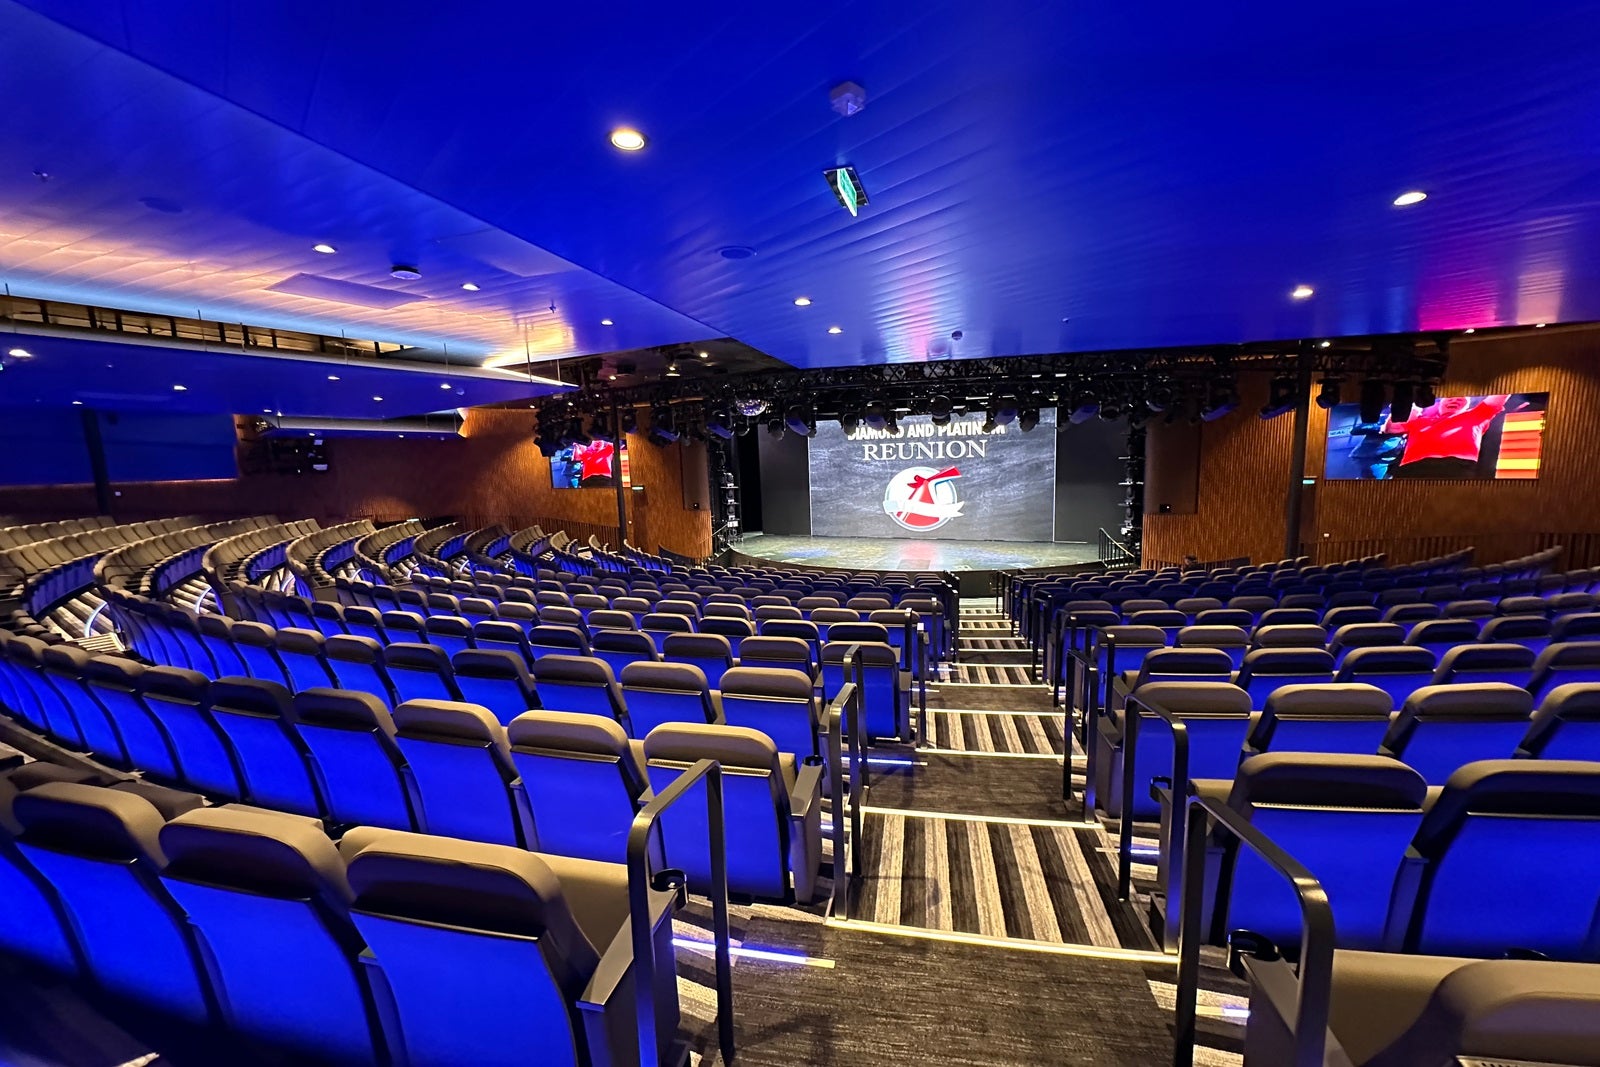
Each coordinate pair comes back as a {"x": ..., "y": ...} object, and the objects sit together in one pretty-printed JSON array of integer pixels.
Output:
[
  {"x": 35, "y": 927},
  {"x": 618, "y": 648},
  {"x": 405, "y": 626},
  {"x": 1441, "y": 635},
  {"x": 885, "y": 690},
  {"x": 1265, "y": 670},
  {"x": 1347, "y": 819},
  {"x": 1577, "y": 661},
  {"x": 795, "y": 628},
  {"x": 710, "y": 652},
  {"x": 656, "y": 693},
  {"x": 365, "y": 622},
  {"x": 351, "y": 735},
  {"x": 1566, "y": 725},
  {"x": 1349, "y": 637},
  {"x": 1290, "y": 617},
  {"x": 115, "y": 684},
  {"x": 503, "y": 636},
  {"x": 303, "y": 654},
  {"x": 99, "y": 849},
  {"x": 772, "y": 808},
  {"x": 1511, "y": 664},
  {"x": 217, "y": 632},
  {"x": 1338, "y": 718},
  {"x": 498, "y": 679},
  {"x": 1290, "y": 635},
  {"x": 558, "y": 639},
  {"x": 275, "y": 766},
  {"x": 1215, "y": 716},
  {"x": 460, "y": 762},
  {"x": 1397, "y": 670},
  {"x": 329, "y": 618},
  {"x": 582, "y": 684},
  {"x": 63, "y": 669},
  {"x": 449, "y": 632},
  {"x": 1530, "y": 631},
  {"x": 420, "y": 672},
  {"x": 1442, "y": 727},
  {"x": 603, "y": 619},
  {"x": 257, "y": 645},
  {"x": 659, "y": 625},
  {"x": 179, "y": 699},
  {"x": 268, "y": 895},
  {"x": 735, "y": 629},
  {"x": 1232, "y": 640},
  {"x": 584, "y": 781},
  {"x": 787, "y": 653},
  {"x": 776, "y": 702},
  {"x": 1509, "y": 858},
  {"x": 357, "y": 664}
]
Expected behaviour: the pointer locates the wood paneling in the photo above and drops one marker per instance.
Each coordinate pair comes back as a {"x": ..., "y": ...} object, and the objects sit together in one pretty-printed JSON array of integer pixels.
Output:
[
  {"x": 494, "y": 473},
  {"x": 1244, "y": 467}
]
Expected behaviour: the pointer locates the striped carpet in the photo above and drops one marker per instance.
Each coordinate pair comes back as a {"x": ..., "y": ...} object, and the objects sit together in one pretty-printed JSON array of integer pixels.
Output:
[
  {"x": 1019, "y": 732},
  {"x": 988, "y": 674}
]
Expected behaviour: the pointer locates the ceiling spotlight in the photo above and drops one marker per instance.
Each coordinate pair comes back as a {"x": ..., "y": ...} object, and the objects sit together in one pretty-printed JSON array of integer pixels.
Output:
[
  {"x": 802, "y": 301},
  {"x": 1301, "y": 292},
  {"x": 672, "y": 370},
  {"x": 469, "y": 287},
  {"x": 1083, "y": 411},
  {"x": 1538, "y": 326},
  {"x": 180, "y": 388},
  {"x": 750, "y": 407},
  {"x": 1415, "y": 196},
  {"x": 333, "y": 377},
  {"x": 20, "y": 353},
  {"x": 849, "y": 421},
  {"x": 629, "y": 140},
  {"x": 877, "y": 414},
  {"x": 835, "y": 329},
  {"x": 1003, "y": 412},
  {"x": 775, "y": 427},
  {"x": 1470, "y": 329},
  {"x": 1325, "y": 344},
  {"x": 444, "y": 385},
  {"x": 404, "y": 272},
  {"x": 663, "y": 425},
  {"x": 703, "y": 354},
  {"x": 1372, "y": 398},
  {"x": 611, "y": 377},
  {"x": 325, "y": 249},
  {"x": 719, "y": 422},
  {"x": 607, "y": 322},
  {"x": 77, "y": 403},
  {"x": 939, "y": 410},
  {"x": 800, "y": 420},
  {"x": 377, "y": 398},
  {"x": 1281, "y": 397},
  {"x": 1028, "y": 420}
]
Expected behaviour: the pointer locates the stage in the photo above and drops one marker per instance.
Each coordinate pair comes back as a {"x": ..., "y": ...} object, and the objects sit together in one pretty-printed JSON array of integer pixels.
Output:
[{"x": 894, "y": 554}]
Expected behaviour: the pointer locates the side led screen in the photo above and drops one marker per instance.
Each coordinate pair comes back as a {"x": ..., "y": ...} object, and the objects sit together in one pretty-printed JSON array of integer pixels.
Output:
[
  {"x": 1456, "y": 437},
  {"x": 583, "y": 466}
]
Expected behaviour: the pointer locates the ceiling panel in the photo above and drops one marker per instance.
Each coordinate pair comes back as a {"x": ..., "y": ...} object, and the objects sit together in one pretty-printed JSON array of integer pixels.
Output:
[{"x": 1043, "y": 175}]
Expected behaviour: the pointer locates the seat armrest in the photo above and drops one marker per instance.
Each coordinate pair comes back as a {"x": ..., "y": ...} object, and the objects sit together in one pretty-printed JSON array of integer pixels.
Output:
[
  {"x": 716, "y": 706},
  {"x": 807, "y": 790},
  {"x": 617, "y": 962}
]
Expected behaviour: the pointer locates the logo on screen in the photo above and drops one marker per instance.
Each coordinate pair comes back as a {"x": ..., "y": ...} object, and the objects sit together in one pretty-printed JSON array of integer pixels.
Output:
[{"x": 922, "y": 498}]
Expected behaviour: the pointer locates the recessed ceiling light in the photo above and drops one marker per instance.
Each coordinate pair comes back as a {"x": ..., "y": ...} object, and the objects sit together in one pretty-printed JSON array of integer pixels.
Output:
[
  {"x": 20, "y": 353},
  {"x": 405, "y": 272},
  {"x": 704, "y": 355},
  {"x": 672, "y": 370},
  {"x": 377, "y": 398},
  {"x": 444, "y": 385},
  {"x": 606, "y": 322},
  {"x": 802, "y": 301},
  {"x": 835, "y": 329},
  {"x": 266, "y": 411},
  {"x": 469, "y": 287},
  {"x": 1326, "y": 344},
  {"x": 609, "y": 378},
  {"x": 401, "y": 436},
  {"x": 1470, "y": 329},
  {"x": 629, "y": 140},
  {"x": 1301, "y": 292},
  {"x": 333, "y": 377},
  {"x": 1415, "y": 196},
  {"x": 1539, "y": 326},
  {"x": 180, "y": 388},
  {"x": 77, "y": 403},
  {"x": 325, "y": 249}
]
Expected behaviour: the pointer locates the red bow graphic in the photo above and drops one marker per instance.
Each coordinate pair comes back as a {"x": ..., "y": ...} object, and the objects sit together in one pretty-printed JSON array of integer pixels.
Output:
[{"x": 921, "y": 485}]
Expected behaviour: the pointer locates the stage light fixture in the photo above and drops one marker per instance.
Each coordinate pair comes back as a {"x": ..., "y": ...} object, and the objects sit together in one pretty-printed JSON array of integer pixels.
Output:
[
  {"x": 719, "y": 423},
  {"x": 1405, "y": 395},
  {"x": 849, "y": 421},
  {"x": 1083, "y": 410},
  {"x": 1280, "y": 397},
  {"x": 1028, "y": 420},
  {"x": 1222, "y": 400},
  {"x": 891, "y": 424},
  {"x": 663, "y": 425},
  {"x": 989, "y": 425},
  {"x": 775, "y": 428},
  {"x": 939, "y": 408},
  {"x": 630, "y": 421},
  {"x": 750, "y": 407},
  {"x": 800, "y": 420},
  {"x": 1004, "y": 410},
  {"x": 877, "y": 414},
  {"x": 1372, "y": 398},
  {"x": 1426, "y": 396},
  {"x": 576, "y": 434},
  {"x": 1328, "y": 392}
]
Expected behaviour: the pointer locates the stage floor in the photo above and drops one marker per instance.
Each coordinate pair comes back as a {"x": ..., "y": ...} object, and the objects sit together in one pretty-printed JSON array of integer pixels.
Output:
[{"x": 892, "y": 554}]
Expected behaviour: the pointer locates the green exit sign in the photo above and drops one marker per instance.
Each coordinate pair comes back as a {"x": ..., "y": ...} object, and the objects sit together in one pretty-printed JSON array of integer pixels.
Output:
[{"x": 846, "y": 185}]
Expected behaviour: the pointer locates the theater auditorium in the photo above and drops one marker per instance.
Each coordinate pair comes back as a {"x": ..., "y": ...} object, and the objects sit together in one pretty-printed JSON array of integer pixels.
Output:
[{"x": 855, "y": 533}]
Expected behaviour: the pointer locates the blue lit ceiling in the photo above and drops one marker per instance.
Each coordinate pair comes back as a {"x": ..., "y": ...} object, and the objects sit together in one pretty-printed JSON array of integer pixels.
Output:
[{"x": 1043, "y": 176}]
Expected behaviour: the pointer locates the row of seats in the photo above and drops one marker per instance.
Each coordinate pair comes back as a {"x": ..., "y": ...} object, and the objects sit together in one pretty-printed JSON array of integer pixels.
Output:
[
  {"x": 561, "y": 782},
  {"x": 385, "y": 947},
  {"x": 1261, "y": 611}
]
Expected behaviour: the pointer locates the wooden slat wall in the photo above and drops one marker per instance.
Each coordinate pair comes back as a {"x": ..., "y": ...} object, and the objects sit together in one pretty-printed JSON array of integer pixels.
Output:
[
  {"x": 1244, "y": 464},
  {"x": 493, "y": 474}
]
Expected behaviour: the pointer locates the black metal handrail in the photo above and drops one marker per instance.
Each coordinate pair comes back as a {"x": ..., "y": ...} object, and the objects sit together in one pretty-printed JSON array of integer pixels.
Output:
[
  {"x": 1202, "y": 817},
  {"x": 844, "y": 727},
  {"x": 639, "y": 885}
]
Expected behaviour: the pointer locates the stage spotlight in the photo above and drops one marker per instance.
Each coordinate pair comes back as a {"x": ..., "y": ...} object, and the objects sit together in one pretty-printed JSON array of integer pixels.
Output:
[
  {"x": 877, "y": 414},
  {"x": 891, "y": 425},
  {"x": 1328, "y": 392},
  {"x": 600, "y": 426},
  {"x": 1083, "y": 410},
  {"x": 630, "y": 420},
  {"x": 800, "y": 420},
  {"x": 1028, "y": 420},
  {"x": 775, "y": 428},
  {"x": 1372, "y": 397},
  {"x": 1110, "y": 409},
  {"x": 939, "y": 410},
  {"x": 849, "y": 421},
  {"x": 1003, "y": 410},
  {"x": 1404, "y": 399},
  {"x": 989, "y": 425},
  {"x": 1280, "y": 398},
  {"x": 1224, "y": 398},
  {"x": 1426, "y": 396},
  {"x": 750, "y": 407},
  {"x": 719, "y": 423},
  {"x": 663, "y": 426}
]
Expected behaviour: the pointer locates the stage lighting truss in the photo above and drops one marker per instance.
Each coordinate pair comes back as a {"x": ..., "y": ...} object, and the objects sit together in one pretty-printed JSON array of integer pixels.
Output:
[{"x": 1190, "y": 384}]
